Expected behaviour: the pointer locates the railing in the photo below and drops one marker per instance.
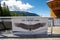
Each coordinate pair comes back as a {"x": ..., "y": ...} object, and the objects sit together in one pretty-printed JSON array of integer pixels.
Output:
[
  {"x": 8, "y": 19},
  {"x": 3, "y": 23}
]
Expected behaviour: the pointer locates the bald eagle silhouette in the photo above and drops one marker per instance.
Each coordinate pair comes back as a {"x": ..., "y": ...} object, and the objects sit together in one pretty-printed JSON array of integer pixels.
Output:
[{"x": 29, "y": 27}]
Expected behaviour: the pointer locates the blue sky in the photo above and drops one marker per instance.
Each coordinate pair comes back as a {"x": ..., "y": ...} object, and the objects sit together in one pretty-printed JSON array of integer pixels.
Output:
[{"x": 40, "y": 7}]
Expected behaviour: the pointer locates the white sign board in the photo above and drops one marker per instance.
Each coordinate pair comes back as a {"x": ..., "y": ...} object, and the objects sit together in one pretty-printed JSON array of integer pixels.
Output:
[
  {"x": 56, "y": 22},
  {"x": 29, "y": 25}
]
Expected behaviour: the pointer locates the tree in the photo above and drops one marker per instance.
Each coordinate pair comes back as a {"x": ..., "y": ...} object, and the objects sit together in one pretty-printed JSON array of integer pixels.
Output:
[
  {"x": 22, "y": 14},
  {"x": 14, "y": 14},
  {"x": 1, "y": 12},
  {"x": 5, "y": 10}
]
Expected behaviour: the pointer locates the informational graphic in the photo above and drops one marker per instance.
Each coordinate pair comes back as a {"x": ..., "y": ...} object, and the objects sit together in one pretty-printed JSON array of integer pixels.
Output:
[
  {"x": 29, "y": 25},
  {"x": 57, "y": 22}
]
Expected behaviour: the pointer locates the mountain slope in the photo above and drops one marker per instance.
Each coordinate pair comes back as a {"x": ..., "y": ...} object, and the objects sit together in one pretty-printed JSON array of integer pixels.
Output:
[{"x": 22, "y": 13}]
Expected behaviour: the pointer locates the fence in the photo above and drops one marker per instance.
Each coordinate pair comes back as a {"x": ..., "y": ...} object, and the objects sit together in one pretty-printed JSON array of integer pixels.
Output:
[
  {"x": 6, "y": 24},
  {"x": 6, "y": 21}
]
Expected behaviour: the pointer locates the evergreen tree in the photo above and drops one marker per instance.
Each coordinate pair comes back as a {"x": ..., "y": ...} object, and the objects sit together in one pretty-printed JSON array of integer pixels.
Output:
[
  {"x": 22, "y": 14},
  {"x": 5, "y": 10},
  {"x": 1, "y": 12}
]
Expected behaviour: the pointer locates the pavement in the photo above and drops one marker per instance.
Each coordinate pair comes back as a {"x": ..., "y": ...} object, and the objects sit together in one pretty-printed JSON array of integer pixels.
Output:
[
  {"x": 55, "y": 35},
  {"x": 29, "y": 38}
]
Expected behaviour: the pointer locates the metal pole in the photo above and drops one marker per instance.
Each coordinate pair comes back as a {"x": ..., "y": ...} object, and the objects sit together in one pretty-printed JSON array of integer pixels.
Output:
[{"x": 51, "y": 27}]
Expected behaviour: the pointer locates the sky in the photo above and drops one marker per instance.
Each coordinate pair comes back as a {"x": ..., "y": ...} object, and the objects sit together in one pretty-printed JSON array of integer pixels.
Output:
[{"x": 39, "y": 7}]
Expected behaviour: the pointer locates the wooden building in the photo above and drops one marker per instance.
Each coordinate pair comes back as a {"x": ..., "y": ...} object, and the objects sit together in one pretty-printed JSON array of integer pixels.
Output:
[{"x": 54, "y": 6}]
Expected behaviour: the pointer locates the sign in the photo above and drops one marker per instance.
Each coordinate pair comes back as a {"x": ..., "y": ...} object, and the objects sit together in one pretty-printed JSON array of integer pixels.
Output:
[
  {"x": 57, "y": 22},
  {"x": 30, "y": 25}
]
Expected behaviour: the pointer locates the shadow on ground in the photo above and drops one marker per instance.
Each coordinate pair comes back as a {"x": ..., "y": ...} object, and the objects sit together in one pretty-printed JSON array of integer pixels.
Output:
[{"x": 37, "y": 36}]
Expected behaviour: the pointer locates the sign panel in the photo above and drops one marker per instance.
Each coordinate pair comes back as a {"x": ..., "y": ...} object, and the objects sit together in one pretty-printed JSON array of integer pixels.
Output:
[
  {"x": 29, "y": 25},
  {"x": 57, "y": 22}
]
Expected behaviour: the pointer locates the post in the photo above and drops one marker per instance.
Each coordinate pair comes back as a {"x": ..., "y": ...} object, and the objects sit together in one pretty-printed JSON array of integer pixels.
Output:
[{"x": 52, "y": 27}]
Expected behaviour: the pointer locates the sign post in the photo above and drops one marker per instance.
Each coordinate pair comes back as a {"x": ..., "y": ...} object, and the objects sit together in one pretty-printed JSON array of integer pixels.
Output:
[{"x": 51, "y": 28}]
